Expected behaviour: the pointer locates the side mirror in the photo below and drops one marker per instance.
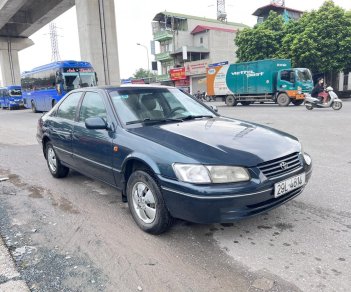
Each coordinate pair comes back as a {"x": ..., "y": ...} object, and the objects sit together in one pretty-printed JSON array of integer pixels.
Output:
[{"x": 96, "y": 123}]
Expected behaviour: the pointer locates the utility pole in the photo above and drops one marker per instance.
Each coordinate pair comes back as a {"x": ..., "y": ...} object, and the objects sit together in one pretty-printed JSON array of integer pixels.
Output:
[
  {"x": 148, "y": 62},
  {"x": 55, "y": 54},
  {"x": 221, "y": 14}
]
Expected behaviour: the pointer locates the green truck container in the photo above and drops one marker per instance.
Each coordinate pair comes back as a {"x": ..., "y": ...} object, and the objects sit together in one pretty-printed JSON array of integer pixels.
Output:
[{"x": 259, "y": 81}]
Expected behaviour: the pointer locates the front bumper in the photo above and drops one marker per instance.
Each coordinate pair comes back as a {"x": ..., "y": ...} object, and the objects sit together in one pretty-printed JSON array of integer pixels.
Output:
[{"x": 224, "y": 204}]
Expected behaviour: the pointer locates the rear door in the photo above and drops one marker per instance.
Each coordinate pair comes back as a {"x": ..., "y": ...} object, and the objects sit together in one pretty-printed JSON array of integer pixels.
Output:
[
  {"x": 93, "y": 149},
  {"x": 61, "y": 127}
]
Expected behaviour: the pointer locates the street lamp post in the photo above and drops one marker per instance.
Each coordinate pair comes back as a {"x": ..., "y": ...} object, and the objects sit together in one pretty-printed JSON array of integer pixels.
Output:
[{"x": 148, "y": 62}]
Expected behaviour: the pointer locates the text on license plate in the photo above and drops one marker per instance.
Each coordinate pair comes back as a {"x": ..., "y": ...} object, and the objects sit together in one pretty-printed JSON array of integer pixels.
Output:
[{"x": 288, "y": 185}]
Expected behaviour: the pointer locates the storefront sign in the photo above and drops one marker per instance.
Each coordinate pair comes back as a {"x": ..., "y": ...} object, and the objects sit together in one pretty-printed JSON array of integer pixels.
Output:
[
  {"x": 218, "y": 64},
  {"x": 177, "y": 73},
  {"x": 196, "y": 67},
  {"x": 183, "y": 82},
  {"x": 138, "y": 81}
]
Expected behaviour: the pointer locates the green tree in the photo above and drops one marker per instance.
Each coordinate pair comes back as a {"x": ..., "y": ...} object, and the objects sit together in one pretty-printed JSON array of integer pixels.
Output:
[
  {"x": 142, "y": 74},
  {"x": 261, "y": 42},
  {"x": 323, "y": 39},
  {"x": 319, "y": 40}
]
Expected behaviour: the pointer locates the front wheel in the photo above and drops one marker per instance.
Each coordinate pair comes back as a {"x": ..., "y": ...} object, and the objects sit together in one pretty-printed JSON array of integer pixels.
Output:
[
  {"x": 146, "y": 203},
  {"x": 55, "y": 167},
  {"x": 337, "y": 105},
  {"x": 283, "y": 99}
]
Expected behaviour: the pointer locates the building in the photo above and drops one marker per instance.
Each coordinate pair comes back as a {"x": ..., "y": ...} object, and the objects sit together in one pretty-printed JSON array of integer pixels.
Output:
[
  {"x": 188, "y": 44},
  {"x": 262, "y": 13}
]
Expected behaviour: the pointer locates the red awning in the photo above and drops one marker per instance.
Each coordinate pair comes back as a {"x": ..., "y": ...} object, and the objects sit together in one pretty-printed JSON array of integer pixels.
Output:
[{"x": 201, "y": 28}]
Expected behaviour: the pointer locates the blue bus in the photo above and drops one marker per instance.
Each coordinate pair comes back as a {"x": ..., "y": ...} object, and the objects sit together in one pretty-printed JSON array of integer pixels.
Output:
[
  {"x": 11, "y": 97},
  {"x": 44, "y": 86}
]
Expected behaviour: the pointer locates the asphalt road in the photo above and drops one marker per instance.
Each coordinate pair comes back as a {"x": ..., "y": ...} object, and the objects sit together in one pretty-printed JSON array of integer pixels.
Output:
[{"x": 75, "y": 234}]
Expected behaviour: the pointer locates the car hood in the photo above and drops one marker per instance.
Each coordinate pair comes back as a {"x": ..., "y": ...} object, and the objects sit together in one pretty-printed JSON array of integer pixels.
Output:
[{"x": 221, "y": 140}]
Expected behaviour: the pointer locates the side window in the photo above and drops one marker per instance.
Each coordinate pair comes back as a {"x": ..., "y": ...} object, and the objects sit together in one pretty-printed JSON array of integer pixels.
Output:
[
  {"x": 284, "y": 75},
  {"x": 92, "y": 106},
  {"x": 68, "y": 107}
]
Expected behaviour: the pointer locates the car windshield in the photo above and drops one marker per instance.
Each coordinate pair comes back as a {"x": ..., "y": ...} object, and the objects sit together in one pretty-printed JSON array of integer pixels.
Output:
[
  {"x": 144, "y": 105},
  {"x": 78, "y": 80},
  {"x": 15, "y": 92},
  {"x": 304, "y": 75}
]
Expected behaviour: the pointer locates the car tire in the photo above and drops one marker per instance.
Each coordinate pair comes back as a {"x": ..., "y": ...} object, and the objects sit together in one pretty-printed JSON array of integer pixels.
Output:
[
  {"x": 34, "y": 109},
  {"x": 146, "y": 203},
  {"x": 55, "y": 167},
  {"x": 283, "y": 99}
]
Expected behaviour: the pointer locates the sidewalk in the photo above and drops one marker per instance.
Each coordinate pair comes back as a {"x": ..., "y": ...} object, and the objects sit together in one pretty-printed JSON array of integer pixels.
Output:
[{"x": 9, "y": 278}]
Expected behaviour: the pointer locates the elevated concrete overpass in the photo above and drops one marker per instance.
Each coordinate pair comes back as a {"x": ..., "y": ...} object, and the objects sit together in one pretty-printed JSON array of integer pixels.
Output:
[{"x": 19, "y": 19}]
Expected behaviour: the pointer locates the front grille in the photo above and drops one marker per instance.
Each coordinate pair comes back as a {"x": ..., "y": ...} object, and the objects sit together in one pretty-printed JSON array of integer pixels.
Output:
[{"x": 280, "y": 166}]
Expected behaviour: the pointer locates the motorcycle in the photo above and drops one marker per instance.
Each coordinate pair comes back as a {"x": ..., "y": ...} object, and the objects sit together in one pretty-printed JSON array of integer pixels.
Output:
[{"x": 334, "y": 102}]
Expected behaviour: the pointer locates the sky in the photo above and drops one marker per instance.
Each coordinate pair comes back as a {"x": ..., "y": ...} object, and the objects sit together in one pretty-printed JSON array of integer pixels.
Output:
[{"x": 133, "y": 22}]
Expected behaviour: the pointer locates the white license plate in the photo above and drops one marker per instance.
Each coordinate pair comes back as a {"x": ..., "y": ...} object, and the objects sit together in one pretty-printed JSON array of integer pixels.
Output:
[{"x": 289, "y": 184}]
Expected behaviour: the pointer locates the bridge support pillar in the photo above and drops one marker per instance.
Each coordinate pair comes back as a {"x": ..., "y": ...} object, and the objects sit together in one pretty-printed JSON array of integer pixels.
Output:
[
  {"x": 98, "y": 38},
  {"x": 10, "y": 70}
]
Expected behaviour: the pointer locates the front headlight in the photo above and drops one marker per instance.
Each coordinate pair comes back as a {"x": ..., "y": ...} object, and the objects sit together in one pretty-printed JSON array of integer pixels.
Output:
[
  {"x": 307, "y": 158},
  {"x": 205, "y": 174}
]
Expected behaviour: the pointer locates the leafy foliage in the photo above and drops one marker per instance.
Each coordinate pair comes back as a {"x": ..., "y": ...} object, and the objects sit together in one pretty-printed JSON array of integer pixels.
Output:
[
  {"x": 142, "y": 73},
  {"x": 319, "y": 40},
  {"x": 261, "y": 42}
]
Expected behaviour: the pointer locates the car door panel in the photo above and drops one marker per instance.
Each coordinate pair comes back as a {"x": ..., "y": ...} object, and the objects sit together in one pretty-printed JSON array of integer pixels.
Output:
[{"x": 93, "y": 149}]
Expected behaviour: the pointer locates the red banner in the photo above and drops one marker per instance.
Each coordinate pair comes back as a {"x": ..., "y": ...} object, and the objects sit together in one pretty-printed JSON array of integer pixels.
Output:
[
  {"x": 177, "y": 73},
  {"x": 183, "y": 82}
]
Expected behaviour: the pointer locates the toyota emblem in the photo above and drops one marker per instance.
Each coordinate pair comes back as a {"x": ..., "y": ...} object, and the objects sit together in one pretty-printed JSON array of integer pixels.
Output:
[{"x": 284, "y": 165}]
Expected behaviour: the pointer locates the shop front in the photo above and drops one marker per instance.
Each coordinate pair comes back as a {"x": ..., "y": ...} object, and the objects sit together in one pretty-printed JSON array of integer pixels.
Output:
[
  {"x": 196, "y": 71},
  {"x": 181, "y": 81}
]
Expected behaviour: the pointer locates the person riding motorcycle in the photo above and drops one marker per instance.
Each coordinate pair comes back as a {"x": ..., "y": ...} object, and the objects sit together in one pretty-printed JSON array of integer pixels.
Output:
[{"x": 319, "y": 91}]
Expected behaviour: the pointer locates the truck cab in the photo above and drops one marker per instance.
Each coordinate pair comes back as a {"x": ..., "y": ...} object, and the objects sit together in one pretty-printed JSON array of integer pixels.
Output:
[{"x": 293, "y": 82}]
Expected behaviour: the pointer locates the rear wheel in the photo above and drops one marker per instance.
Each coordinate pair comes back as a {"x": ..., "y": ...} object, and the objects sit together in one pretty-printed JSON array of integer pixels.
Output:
[
  {"x": 337, "y": 105},
  {"x": 230, "y": 100},
  {"x": 34, "y": 109},
  {"x": 297, "y": 101},
  {"x": 55, "y": 167},
  {"x": 283, "y": 99},
  {"x": 308, "y": 106},
  {"x": 146, "y": 203}
]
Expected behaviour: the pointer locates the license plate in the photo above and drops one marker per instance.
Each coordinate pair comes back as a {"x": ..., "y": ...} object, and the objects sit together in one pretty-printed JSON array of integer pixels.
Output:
[{"x": 288, "y": 185}]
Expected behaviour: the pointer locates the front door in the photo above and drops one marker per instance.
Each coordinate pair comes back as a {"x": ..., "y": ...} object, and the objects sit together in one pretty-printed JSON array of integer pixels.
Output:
[{"x": 93, "y": 149}]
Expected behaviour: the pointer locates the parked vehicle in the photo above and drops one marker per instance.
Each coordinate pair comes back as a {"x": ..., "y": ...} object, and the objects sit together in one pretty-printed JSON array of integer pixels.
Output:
[
  {"x": 259, "y": 81},
  {"x": 11, "y": 97},
  {"x": 4, "y": 96},
  {"x": 44, "y": 86},
  {"x": 172, "y": 156},
  {"x": 333, "y": 101}
]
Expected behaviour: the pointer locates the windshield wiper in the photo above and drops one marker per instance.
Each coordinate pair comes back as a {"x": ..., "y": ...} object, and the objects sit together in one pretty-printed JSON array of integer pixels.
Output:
[
  {"x": 192, "y": 117},
  {"x": 148, "y": 120}
]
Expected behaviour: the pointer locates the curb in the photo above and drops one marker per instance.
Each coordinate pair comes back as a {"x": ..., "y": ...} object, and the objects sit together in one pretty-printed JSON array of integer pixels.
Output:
[{"x": 10, "y": 279}]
